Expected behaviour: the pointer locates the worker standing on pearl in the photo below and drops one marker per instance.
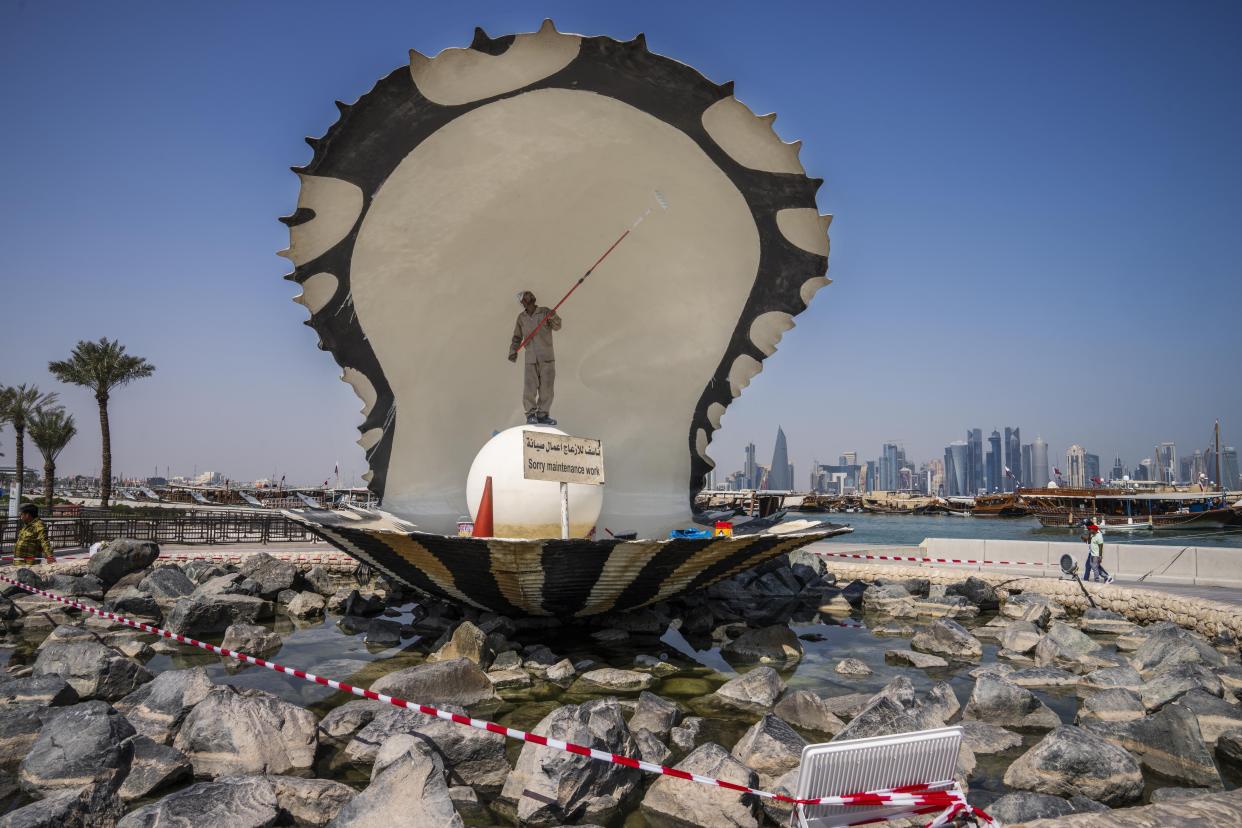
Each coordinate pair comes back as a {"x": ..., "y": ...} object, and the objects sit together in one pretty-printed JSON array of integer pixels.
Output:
[{"x": 536, "y": 324}]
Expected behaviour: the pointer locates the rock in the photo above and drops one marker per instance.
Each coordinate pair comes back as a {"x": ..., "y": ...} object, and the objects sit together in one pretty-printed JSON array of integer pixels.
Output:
[
  {"x": 671, "y": 803},
  {"x": 87, "y": 586},
  {"x": 94, "y": 671},
  {"x": 1112, "y": 704},
  {"x": 1175, "y": 794},
  {"x": 470, "y": 756},
  {"x": 90, "y": 806},
  {"x": 467, "y": 641},
  {"x": 1215, "y": 716},
  {"x": 612, "y": 680},
  {"x": 883, "y": 717},
  {"x": 157, "y": 709},
  {"x": 459, "y": 681},
  {"x": 353, "y": 602},
  {"x": 1000, "y": 702},
  {"x": 770, "y": 747},
  {"x": 977, "y": 591},
  {"x": 1020, "y": 637},
  {"x": 237, "y": 801},
  {"x": 383, "y": 633},
  {"x": 804, "y": 709},
  {"x": 19, "y": 728},
  {"x": 230, "y": 583},
  {"x": 947, "y": 638},
  {"x": 133, "y": 603},
  {"x": 251, "y": 639},
  {"x": 121, "y": 557},
  {"x": 1168, "y": 645},
  {"x": 549, "y": 788},
  {"x": 658, "y": 667},
  {"x": 409, "y": 791},
  {"x": 781, "y": 813},
  {"x": 207, "y": 615},
  {"x": 910, "y": 658},
  {"x": 311, "y": 802},
  {"x": 466, "y": 803},
  {"x": 755, "y": 691},
  {"x": 247, "y": 731},
  {"x": 320, "y": 580},
  {"x": 509, "y": 679},
  {"x": 342, "y": 723},
  {"x": 305, "y": 605},
  {"x": 1170, "y": 684},
  {"x": 982, "y": 737},
  {"x": 166, "y": 584},
  {"x": 202, "y": 571},
  {"x": 46, "y": 691},
  {"x": 562, "y": 672},
  {"x": 1071, "y": 760},
  {"x": 1019, "y": 606},
  {"x": 685, "y": 737},
  {"x": 1104, "y": 621},
  {"x": 75, "y": 744},
  {"x": 154, "y": 766},
  {"x": 1064, "y": 646},
  {"x": 271, "y": 574},
  {"x": 507, "y": 661},
  {"x": 651, "y": 749},
  {"x": 654, "y": 714},
  {"x": 1120, "y": 676},
  {"x": 854, "y": 591},
  {"x": 1023, "y": 806},
  {"x": 852, "y": 667},
  {"x": 1168, "y": 742},
  {"x": 1229, "y": 748},
  {"x": 913, "y": 586},
  {"x": 884, "y": 598},
  {"x": 942, "y": 606},
  {"x": 1043, "y": 677},
  {"x": 774, "y": 644}
]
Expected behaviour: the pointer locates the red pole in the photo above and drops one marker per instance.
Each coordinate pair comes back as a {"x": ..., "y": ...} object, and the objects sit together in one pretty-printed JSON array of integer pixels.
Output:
[{"x": 571, "y": 290}]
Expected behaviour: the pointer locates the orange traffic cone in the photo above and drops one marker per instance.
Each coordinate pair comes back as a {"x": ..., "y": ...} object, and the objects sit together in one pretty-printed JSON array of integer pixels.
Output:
[{"x": 483, "y": 519}]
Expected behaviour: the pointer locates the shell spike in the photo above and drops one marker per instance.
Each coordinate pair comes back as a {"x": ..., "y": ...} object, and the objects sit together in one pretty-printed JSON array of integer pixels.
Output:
[
  {"x": 725, "y": 89},
  {"x": 639, "y": 42},
  {"x": 418, "y": 59},
  {"x": 343, "y": 107},
  {"x": 481, "y": 40},
  {"x": 547, "y": 26}
]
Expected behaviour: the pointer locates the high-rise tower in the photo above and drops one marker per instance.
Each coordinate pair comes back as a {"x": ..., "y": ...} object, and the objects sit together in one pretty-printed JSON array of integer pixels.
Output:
[
  {"x": 780, "y": 477},
  {"x": 1039, "y": 463}
]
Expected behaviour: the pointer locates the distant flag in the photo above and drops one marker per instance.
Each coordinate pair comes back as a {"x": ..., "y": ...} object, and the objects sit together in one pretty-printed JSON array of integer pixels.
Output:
[{"x": 1098, "y": 481}]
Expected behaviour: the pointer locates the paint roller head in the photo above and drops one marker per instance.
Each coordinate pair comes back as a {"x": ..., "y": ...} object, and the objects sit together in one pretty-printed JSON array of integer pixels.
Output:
[{"x": 663, "y": 202}]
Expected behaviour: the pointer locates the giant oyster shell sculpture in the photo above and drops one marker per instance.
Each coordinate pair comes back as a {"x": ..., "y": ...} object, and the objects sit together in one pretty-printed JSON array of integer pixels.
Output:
[{"x": 461, "y": 179}]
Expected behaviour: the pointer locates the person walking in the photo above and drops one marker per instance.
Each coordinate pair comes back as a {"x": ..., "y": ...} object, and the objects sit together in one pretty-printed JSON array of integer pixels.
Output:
[
  {"x": 1095, "y": 555},
  {"x": 31, "y": 539},
  {"x": 539, "y": 386}
]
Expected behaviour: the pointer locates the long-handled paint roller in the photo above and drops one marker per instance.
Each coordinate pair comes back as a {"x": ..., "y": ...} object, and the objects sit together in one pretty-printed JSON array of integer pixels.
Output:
[{"x": 661, "y": 200}]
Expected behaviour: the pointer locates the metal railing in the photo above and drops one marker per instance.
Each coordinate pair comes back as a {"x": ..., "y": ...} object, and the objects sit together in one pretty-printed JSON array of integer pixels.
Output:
[{"x": 186, "y": 528}]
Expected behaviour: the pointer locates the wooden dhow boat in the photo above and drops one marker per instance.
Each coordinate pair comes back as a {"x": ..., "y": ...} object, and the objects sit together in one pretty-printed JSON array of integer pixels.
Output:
[{"x": 566, "y": 579}]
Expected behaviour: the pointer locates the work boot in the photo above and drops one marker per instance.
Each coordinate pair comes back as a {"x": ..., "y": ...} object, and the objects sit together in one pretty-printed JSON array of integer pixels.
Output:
[
  {"x": 546, "y": 420},
  {"x": 533, "y": 420}
]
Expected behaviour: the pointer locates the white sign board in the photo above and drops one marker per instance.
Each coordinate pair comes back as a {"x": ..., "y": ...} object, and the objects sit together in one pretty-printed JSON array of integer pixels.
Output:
[{"x": 562, "y": 459}]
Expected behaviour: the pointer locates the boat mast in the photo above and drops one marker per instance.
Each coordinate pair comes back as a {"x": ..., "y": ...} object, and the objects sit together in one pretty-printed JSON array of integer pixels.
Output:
[{"x": 1220, "y": 484}]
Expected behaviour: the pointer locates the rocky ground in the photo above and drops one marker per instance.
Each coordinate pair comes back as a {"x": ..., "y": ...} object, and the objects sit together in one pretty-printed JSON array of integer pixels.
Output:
[{"x": 103, "y": 725}]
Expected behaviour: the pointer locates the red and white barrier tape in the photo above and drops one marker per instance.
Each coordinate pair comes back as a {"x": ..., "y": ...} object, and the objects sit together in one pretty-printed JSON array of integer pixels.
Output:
[
  {"x": 865, "y": 557},
  {"x": 920, "y": 798}
]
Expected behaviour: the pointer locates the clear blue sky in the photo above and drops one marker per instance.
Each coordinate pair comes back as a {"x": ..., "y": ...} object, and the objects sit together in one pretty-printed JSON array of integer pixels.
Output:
[{"x": 1036, "y": 214}]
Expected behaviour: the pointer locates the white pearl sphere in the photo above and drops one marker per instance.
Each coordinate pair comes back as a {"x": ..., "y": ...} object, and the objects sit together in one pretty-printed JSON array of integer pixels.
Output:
[{"x": 524, "y": 508}]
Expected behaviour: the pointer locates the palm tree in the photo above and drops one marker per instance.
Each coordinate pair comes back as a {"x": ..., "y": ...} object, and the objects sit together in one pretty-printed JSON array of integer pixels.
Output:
[
  {"x": 51, "y": 430},
  {"x": 21, "y": 405},
  {"x": 101, "y": 366}
]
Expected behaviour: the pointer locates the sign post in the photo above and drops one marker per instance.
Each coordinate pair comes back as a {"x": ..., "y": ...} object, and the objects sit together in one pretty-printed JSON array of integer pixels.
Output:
[{"x": 562, "y": 459}]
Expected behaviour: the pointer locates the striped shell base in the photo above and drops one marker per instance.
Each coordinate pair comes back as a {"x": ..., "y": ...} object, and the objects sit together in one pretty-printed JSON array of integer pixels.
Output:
[{"x": 561, "y": 578}]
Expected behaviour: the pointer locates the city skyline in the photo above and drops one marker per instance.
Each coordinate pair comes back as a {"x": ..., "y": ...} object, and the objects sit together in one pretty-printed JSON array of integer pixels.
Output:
[
  {"x": 1036, "y": 465},
  {"x": 1028, "y": 191}
]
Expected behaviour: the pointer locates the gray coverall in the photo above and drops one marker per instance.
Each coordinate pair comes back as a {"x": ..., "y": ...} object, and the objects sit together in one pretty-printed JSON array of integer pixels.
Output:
[{"x": 537, "y": 392}]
